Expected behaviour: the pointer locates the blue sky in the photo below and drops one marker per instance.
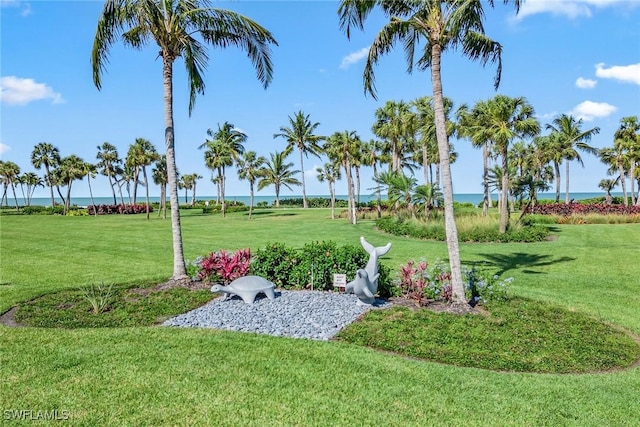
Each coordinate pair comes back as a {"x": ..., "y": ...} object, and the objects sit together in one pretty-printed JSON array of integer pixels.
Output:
[{"x": 565, "y": 56}]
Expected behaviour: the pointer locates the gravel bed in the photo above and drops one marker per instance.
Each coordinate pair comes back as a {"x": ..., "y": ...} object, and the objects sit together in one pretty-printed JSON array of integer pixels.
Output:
[{"x": 298, "y": 314}]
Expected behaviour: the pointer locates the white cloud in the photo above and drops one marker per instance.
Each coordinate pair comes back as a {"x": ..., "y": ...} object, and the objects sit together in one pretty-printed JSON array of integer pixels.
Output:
[
  {"x": 18, "y": 91},
  {"x": 311, "y": 173},
  {"x": 623, "y": 73},
  {"x": 589, "y": 110},
  {"x": 572, "y": 9},
  {"x": 24, "y": 6},
  {"x": 354, "y": 57},
  {"x": 583, "y": 83},
  {"x": 4, "y": 148}
]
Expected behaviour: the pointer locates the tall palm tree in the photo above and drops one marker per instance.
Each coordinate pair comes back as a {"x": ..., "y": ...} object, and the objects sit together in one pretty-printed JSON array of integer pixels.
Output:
[
  {"x": 442, "y": 24},
  {"x": 71, "y": 168},
  {"x": 277, "y": 173},
  {"x": 90, "y": 170},
  {"x": 341, "y": 149},
  {"x": 174, "y": 26},
  {"x": 141, "y": 154},
  {"x": 45, "y": 154},
  {"x": 31, "y": 181},
  {"x": 330, "y": 172},
  {"x": 372, "y": 156},
  {"x": 627, "y": 136},
  {"x": 223, "y": 150},
  {"x": 395, "y": 124},
  {"x": 499, "y": 121},
  {"x": 570, "y": 139},
  {"x": 249, "y": 165},
  {"x": 108, "y": 163},
  {"x": 300, "y": 135},
  {"x": 10, "y": 175},
  {"x": 616, "y": 158},
  {"x": 160, "y": 178}
]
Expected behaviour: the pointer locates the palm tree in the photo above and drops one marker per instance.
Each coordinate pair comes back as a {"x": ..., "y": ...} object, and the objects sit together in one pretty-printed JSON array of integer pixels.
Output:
[
  {"x": 607, "y": 185},
  {"x": 141, "y": 154},
  {"x": 443, "y": 24},
  {"x": 45, "y": 154},
  {"x": 341, "y": 149},
  {"x": 570, "y": 139},
  {"x": 615, "y": 157},
  {"x": 330, "y": 172},
  {"x": 184, "y": 183},
  {"x": 195, "y": 177},
  {"x": 301, "y": 135},
  {"x": 90, "y": 170},
  {"x": 426, "y": 195},
  {"x": 71, "y": 168},
  {"x": 372, "y": 156},
  {"x": 173, "y": 25},
  {"x": 627, "y": 136},
  {"x": 395, "y": 124},
  {"x": 159, "y": 176},
  {"x": 32, "y": 181},
  {"x": 249, "y": 165},
  {"x": 277, "y": 173},
  {"x": 10, "y": 175},
  {"x": 108, "y": 164},
  {"x": 223, "y": 150}
]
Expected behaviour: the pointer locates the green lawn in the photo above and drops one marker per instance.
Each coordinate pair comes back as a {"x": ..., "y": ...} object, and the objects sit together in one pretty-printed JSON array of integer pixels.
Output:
[{"x": 164, "y": 376}]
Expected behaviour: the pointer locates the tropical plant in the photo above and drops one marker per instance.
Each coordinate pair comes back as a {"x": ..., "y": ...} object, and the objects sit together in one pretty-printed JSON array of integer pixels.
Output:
[
  {"x": 341, "y": 149},
  {"x": 109, "y": 165},
  {"x": 627, "y": 139},
  {"x": 569, "y": 138},
  {"x": 9, "y": 174},
  {"x": 71, "y": 168},
  {"x": 442, "y": 24},
  {"x": 249, "y": 165},
  {"x": 300, "y": 135},
  {"x": 277, "y": 173},
  {"x": 330, "y": 172},
  {"x": 223, "y": 150},
  {"x": 607, "y": 185},
  {"x": 174, "y": 25},
  {"x": 141, "y": 154},
  {"x": 372, "y": 155},
  {"x": 395, "y": 124},
  {"x": 90, "y": 170},
  {"x": 45, "y": 154},
  {"x": 160, "y": 178},
  {"x": 31, "y": 181}
]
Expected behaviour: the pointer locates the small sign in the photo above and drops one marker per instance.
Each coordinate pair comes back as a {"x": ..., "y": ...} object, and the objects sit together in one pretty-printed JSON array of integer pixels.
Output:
[{"x": 340, "y": 281}]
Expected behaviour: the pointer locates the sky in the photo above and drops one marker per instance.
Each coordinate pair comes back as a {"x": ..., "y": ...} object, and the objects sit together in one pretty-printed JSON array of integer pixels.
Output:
[{"x": 580, "y": 57}]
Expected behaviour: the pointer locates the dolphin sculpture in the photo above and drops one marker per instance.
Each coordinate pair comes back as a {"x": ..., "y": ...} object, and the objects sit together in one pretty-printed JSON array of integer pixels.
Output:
[{"x": 365, "y": 283}]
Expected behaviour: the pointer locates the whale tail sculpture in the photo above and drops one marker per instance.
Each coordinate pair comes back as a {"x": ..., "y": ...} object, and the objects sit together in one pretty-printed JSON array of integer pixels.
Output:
[{"x": 365, "y": 283}]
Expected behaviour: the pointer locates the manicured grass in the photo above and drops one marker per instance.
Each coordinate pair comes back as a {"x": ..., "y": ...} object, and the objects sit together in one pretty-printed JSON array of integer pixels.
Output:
[
  {"x": 174, "y": 376},
  {"x": 520, "y": 335}
]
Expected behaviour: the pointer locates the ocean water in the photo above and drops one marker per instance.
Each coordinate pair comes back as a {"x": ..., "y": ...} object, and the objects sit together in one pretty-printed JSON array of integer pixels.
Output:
[{"x": 462, "y": 198}]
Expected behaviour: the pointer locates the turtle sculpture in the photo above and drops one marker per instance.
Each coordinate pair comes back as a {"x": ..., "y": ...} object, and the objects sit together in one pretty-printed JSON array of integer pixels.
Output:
[
  {"x": 247, "y": 288},
  {"x": 365, "y": 283}
]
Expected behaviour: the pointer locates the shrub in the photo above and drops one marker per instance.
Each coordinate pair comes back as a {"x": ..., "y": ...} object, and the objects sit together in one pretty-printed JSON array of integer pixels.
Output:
[
  {"x": 275, "y": 262},
  {"x": 421, "y": 283},
  {"x": 118, "y": 209},
  {"x": 564, "y": 209},
  {"x": 99, "y": 296},
  {"x": 224, "y": 266},
  {"x": 482, "y": 287}
]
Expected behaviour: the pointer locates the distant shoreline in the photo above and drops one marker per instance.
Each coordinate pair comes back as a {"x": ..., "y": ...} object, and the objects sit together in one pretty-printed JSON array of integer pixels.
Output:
[{"x": 473, "y": 198}]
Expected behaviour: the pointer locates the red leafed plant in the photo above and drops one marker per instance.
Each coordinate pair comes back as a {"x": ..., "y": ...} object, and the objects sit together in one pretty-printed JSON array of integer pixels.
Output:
[{"x": 224, "y": 266}]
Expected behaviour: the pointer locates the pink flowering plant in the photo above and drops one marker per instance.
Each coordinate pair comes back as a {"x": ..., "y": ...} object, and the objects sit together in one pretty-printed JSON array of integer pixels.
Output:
[
  {"x": 222, "y": 266},
  {"x": 421, "y": 282}
]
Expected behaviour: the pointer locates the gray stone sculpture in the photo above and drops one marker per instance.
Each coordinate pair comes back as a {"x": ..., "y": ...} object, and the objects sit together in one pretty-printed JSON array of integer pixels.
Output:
[
  {"x": 365, "y": 283},
  {"x": 247, "y": 288}
]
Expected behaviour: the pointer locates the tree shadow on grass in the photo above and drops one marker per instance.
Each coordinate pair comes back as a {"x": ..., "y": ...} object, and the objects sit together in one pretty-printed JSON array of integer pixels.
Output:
[
  {"x": 522, "y": 261},
  {"x": 270, "y": 213}
]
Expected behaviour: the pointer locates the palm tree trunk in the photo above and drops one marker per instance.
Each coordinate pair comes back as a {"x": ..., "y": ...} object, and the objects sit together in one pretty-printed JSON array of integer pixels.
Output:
[
  {"x": 135, "y": 187},
  {"x": 486, "y": 198},
  {"x": 304, "y": 187},
  {"x": 632, "y": 174},
  {"x": 250, "y": 198},
  {"x": 193, "y": 195},
  {"x": 15, "y": 198},
  {"x": 566, "y": 191},
  {"x": 378, "y": 198},
  {"x": 332, "y": 193},
  {"x": 222, "y": 185},
  {"x": 61, "y": 196},
  {"x": 447, "y": 182},
  {"x": 95, "y": 208},
  {"x": 277, "y": 195},
  {"x": 179, "y": 268},
  {"x": 623, "y": 183},
  {"x": 146, "y": 187},
  {"x": 67, "y": 203},
  {"x": 357, "y": 186},
  {"x": 556, "y": 166},
  {"x": 48, "y": 178},
  {"x": 504, "y": 207},
  {"x": 113, "y": 190},
  {"x": 425, "y": 163}
]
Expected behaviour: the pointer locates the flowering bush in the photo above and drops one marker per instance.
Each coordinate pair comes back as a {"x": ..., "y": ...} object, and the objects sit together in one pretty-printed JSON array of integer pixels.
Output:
[
  {"x": 421, "y": 283},
  {"x": 581, "y": 209},
  {"x": 482, "y": 287},
  {"x": 222, "y": 266}
]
